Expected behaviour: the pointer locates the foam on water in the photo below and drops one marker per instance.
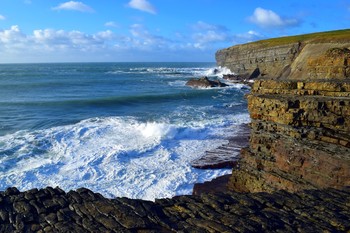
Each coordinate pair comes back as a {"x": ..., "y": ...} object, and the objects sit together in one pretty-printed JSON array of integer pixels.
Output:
[
  {"x": 218, "y": 71},
  {"x": 116, "y": 156},
  {"x": 142, "y": 126},
  {"x": 194, "y": 71}
]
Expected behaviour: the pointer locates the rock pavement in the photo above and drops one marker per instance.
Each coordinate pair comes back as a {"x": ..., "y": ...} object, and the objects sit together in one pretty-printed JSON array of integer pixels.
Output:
[{"x": 53, "y": 210}]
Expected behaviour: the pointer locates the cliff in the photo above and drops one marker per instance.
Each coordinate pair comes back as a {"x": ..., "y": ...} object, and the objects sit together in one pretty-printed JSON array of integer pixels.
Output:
[
  {"x": 300, "y": 111},
  {"x": 287, "y": 57}
]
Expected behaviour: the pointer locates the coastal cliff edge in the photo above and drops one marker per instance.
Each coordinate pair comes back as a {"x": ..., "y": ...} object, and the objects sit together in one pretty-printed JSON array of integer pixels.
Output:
[{"x": 300, "y": 112}]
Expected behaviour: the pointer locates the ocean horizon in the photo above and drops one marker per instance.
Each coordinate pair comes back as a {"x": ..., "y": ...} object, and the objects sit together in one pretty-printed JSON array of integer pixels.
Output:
[{"x": 121, "y": 129}]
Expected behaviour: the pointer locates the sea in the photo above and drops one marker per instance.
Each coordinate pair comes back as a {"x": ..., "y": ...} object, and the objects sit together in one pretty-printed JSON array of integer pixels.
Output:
[{"x": 119, "y": 129}]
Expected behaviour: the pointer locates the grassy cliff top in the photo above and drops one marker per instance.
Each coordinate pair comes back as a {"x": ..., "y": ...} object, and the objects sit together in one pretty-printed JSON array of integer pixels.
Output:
[{"x": 320, "y": 37}]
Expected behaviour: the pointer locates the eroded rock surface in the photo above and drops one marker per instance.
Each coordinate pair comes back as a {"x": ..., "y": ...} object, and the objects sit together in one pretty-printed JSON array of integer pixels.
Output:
[
  {"x": 300, "y": 111},
  {"x": 53, "y": 210},
  {"x": 204, "y": 82},
  {"x": 227, "y": 155}
]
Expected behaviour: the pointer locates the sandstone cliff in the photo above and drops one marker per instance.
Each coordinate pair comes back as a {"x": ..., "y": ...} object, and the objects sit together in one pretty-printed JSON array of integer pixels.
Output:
[{"x": 300, "y": 111}]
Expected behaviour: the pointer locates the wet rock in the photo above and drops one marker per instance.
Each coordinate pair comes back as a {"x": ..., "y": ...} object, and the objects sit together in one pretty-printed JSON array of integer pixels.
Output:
[
  {"x": 216, "y": 185},
  {"x": 306, "y": 211},
  {"x": 227, "y": 155},
  {"x": 204, "y": 82}
]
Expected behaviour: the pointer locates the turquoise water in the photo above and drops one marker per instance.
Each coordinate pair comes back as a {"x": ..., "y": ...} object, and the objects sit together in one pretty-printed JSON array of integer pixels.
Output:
[{"x": 121, "y": 129}]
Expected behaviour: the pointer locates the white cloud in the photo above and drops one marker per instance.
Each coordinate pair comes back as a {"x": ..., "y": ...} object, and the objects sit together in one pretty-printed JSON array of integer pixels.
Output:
[
  {"x": 247, "y": 37},
  {"x": 111, "y": 24},
  {"x": 269, "y": 19},
  {"x": 75, "y": 6},
  {"x": 210, "y": 36},
  {"x": 12, "y": 35},
  {"x": 2, "y": 17},
  {"x": 206, "y": 34},
  {"x": 142, "y": 5},
  {"x": 200, "y": 25},
  {"x": 104, "y": 36},
  {"x": 139, "y": 44},
  {"x": 143, "y": 39}
]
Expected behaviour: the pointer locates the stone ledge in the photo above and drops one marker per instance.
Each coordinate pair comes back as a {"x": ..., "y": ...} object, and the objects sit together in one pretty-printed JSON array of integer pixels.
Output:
[{"x": 53, "y": 210}]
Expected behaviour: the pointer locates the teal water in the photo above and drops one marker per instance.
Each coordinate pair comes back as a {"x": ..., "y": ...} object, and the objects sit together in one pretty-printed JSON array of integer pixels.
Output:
[{"x": 122, "y": 129}]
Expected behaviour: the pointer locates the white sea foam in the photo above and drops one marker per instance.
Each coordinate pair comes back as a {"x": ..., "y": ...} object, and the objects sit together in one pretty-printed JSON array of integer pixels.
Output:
[
  {"x": 177, "y": 71},
  {"x": 178, "y": 83},
  {"x": 116, "y": 156},
  {"x": 218, "y": 71},
  {"x": 165, "y": 71}
]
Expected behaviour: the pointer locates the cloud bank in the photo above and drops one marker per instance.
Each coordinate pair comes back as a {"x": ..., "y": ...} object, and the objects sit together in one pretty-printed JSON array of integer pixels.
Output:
[
  {"x": 74, "y": 6},
  {"x": 2, "y": 17},
  {"x": 139, "y": 43},
  {"x": 142, "y": 5},
  {"x": 269, "y": 19}
]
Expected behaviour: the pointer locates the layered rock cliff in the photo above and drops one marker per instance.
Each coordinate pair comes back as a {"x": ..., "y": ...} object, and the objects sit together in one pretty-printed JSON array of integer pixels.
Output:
[{"x": 300, "y": 111}]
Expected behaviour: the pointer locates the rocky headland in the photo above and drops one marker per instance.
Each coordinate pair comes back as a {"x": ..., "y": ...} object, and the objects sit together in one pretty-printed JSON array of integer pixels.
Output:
[
  {"x": 300, "y": 112},
  {"x": 293, "y": 176}
]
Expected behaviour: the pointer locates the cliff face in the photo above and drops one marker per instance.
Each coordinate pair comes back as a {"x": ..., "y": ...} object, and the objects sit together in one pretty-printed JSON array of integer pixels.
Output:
[
  {"x": 247, "y": 58},
  {"x": 300, "y": 111}
]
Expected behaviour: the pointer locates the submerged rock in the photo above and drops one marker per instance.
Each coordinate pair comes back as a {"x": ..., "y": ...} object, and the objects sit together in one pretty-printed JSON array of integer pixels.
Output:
[{"x": 204, "y": 82}]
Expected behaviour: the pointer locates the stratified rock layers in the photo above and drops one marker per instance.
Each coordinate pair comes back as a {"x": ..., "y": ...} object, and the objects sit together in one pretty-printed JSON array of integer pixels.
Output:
[
  {"x": 53, "y": 210},
  {"x": 245, "y": 59},
  {"x": 300, "y": 113}
]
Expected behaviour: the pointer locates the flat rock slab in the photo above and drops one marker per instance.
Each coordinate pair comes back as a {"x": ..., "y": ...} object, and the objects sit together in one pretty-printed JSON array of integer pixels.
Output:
[
  {"x": 53, "y": 210},
  {"x": 216, "y": 185},
  {"x": 225, "y": 156}
]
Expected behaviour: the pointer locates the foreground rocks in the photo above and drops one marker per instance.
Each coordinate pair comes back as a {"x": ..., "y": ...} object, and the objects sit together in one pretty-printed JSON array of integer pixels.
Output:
[{"x": 53, "y": 210}]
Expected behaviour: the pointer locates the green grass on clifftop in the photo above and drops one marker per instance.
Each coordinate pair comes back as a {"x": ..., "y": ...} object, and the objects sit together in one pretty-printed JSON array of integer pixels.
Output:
[{"x": 320, "y": 37}]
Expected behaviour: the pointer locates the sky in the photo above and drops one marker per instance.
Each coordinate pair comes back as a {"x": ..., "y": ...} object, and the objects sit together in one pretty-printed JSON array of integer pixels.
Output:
[{"x": 153, "y": 30}]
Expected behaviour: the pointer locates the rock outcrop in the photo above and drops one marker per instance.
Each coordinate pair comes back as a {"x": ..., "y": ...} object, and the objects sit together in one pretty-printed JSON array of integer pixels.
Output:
[
  {"x": 300, "y": 115},
  {"x": 247, "y": 59},
  {"x": 204, "y": 82},
  {"x": 53, "y": 210}
]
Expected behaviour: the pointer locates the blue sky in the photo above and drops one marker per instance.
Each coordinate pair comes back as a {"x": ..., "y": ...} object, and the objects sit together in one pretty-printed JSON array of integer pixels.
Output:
[{"x": 153, "y": 30}]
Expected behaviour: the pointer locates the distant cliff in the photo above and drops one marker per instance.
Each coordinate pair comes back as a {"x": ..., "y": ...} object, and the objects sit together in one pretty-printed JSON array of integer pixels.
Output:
[
  {"x": 247, "y": 58},
  {"x": 296, "y": 57},
  {"x": 300, "y": 111}
]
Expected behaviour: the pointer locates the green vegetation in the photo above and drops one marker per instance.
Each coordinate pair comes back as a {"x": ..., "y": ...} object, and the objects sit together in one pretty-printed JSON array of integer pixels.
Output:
[{"x": 320, "y": 37}]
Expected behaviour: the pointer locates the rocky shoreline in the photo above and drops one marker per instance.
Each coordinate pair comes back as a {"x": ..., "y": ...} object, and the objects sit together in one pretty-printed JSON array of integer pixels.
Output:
[
  {"x": 53, "y": 210},
  {"x": 293, "y": 175}
]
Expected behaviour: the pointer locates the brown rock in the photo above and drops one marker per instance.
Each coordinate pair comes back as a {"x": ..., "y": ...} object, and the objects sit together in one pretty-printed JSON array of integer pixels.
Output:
[{"x": 204, "y": 82}]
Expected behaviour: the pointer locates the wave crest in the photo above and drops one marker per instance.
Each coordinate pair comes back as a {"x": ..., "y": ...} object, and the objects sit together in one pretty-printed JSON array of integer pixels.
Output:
[{"x": 116, "y": 156}]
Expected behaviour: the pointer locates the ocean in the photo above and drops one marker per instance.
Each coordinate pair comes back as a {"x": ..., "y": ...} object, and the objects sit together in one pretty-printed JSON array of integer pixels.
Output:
[{"x": 119, "y": 129}]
